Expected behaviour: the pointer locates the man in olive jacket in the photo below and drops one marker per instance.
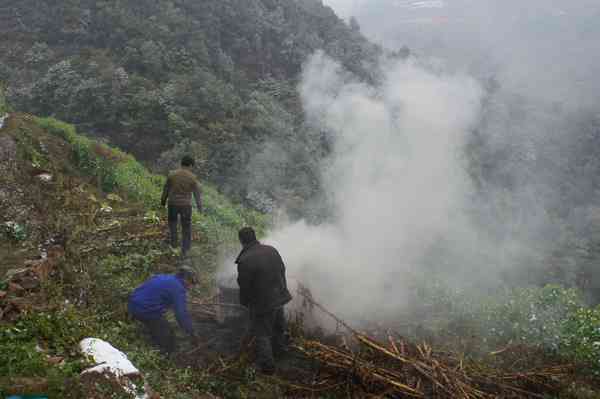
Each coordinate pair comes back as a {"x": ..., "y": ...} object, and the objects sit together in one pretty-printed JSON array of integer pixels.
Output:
[
  {"x": 263, "y": 290},
  {"x": 180, "y": 186}
]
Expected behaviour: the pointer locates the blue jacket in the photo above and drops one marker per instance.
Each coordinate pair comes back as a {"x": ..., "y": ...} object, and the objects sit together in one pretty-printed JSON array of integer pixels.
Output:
[{"x": 153, "y": 298}]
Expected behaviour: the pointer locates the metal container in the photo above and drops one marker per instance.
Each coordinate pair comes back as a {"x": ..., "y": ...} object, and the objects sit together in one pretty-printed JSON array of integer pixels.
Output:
[{"x": 228, "y": 296}]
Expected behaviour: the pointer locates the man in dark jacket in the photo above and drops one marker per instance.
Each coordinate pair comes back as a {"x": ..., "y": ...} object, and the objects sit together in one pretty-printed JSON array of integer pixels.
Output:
[
  {"x": 150, "y": 301},
  {"x": 178, "y": 189},
  {"x": 263, "y": 290}
]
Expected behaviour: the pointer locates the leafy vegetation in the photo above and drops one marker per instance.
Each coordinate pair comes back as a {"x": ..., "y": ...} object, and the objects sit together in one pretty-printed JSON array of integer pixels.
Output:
[
  {"x": 114, "y": 243},
  {"x": 110, "y": 252},
  {"x": 14, "y": 231},
  {"x": 552, "y": 318},
  {"x": 218, "y": 79},
  {"x": 4, "y": 108},
  {"x": 120, "y": 172},
  {"x": 160, "y": 77}
]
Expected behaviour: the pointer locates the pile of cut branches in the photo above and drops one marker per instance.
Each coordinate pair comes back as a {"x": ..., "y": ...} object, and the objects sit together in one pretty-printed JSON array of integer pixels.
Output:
[{"x": 394, "y": 367}]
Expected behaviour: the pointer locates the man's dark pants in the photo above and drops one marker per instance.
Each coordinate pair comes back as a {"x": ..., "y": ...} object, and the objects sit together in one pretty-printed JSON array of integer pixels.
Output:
[
  {"x": 268, "y": 330},
  {"x": 161, "y": 333},
  {"x": 185, "y": 215}
]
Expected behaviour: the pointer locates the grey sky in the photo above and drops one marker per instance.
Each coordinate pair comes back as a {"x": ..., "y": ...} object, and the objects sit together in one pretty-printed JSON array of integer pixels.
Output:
[{"x": 546, "y": 48}]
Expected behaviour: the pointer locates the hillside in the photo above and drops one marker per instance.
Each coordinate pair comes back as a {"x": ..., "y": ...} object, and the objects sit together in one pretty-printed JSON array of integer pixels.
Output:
[
  {"x": 79, "y": 229},
  {"x": 216, "y": 76},
  {"x": 441, "y": 230}
]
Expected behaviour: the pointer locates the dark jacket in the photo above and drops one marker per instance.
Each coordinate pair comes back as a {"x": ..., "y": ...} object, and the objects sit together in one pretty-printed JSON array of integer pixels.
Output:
[
  {"x": 261, "y": 277},
  {"x": 179, "y": 187},
  {"x": 152, "y": 299}
]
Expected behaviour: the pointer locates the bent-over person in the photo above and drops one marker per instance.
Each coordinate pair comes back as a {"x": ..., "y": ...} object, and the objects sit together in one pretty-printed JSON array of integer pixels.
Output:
[{"x": 149, "y": 302}]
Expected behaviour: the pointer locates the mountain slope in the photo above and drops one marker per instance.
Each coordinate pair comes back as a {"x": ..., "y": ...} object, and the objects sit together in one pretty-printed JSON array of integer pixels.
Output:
[
  {"x": 215, "y": 76},
  {"x": 79, "y": 229}
]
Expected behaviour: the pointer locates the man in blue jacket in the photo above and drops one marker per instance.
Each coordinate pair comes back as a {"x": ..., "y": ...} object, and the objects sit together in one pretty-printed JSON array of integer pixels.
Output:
[{"x": 150, "y": 301}]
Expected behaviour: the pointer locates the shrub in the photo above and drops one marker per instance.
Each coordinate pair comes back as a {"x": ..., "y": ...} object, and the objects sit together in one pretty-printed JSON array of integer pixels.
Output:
[
  {"x": 553, "y": 317},
  {"x": 14, "y": 231},
  {"x": 23, "y": 347},
  {"x": 581, "y": 337}
]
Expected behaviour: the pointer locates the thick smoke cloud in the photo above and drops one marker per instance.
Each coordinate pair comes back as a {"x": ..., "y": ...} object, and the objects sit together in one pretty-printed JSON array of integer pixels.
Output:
[
  {"x": 462, "y": 165},
  {"x": 533, "y": 151},
  {"x": 395, "y": 177}
]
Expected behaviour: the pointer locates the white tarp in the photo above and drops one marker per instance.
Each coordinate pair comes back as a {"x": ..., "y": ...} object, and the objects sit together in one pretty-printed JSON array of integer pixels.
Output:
[
  {"x": 2, "y": 119},
  {"x": 109, "y": 359}
]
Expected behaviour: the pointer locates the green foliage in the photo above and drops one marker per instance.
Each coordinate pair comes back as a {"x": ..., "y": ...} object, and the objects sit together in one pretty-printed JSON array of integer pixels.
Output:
[
  {"x": 58, "y": 331},
  {"x": 222, "y": 75},
  {"x": 4, "y": 108},
  {"x": 20, "y": 358},
  {"x": 14, "y": 231},
  {"x": 99, "y": 276},
  {"x": 121, "y": 172},
  {"x": 581, "y": 337},
  {"x": 113, "y": 278},
  {"x": 58, "y": 128},
  {"x": 25, "y": 345},
  {"x": 553, "y": 318},
  {"x": 533, "y": 316},
  {"x": 152, "y": 217},
  {"x": 116, "y": 170}
]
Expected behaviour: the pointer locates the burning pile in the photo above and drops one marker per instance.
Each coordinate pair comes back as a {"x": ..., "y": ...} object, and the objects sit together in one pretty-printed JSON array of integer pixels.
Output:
[
  {"x": 381, "y": 363},
  {"x": 396, "y": 368}
]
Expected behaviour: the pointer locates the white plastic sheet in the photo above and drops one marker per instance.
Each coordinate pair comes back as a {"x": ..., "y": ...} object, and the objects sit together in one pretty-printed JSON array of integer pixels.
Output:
[{"x": 109, "y": 359}]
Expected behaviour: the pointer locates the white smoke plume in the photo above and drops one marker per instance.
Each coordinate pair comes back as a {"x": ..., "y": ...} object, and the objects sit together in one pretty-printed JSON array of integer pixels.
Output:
[
  {"x": 396, "y": 179},
  {"x": 499, "y": 101},
  {"x": 397, "y": 176}
]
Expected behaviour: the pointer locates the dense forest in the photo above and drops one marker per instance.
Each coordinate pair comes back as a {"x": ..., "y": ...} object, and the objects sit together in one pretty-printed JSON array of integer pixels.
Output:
[{"x": 217, "y": 78}]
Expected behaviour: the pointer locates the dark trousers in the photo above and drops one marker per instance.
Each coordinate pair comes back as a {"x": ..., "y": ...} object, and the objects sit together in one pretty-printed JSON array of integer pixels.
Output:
[
  {"x": 185, "y": 215},
  {"x": 161, "y": 333},
  {"x": 268, "y": 331}
]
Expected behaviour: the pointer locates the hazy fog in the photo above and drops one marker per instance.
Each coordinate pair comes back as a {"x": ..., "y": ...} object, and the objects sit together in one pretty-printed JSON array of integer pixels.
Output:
[
  {"x": 546, "y": 48},
  {"x": 395, "y": 178},
  {"x": 454, "y": 167}
]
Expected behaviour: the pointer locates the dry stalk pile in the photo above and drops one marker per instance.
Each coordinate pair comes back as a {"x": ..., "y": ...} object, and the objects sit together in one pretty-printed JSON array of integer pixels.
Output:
[{"x": 365, "y": 366}]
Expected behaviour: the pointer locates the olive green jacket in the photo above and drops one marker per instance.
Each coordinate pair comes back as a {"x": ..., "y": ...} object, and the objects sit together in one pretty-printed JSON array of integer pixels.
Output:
[{"x": 180, "y": 186}]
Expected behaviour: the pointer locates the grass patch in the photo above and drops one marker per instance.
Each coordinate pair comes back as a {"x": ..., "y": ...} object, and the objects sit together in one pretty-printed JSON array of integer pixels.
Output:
[{"x": 120, "y": 172}]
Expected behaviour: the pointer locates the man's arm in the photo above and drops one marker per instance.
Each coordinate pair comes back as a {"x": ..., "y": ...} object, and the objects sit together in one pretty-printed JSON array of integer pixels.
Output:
[
  {"x": 245, "y": 282},
  {"x": 282, "y": 265},
  {"x": 181, "y": 313},
  {"x": 165, "y": 193},
  {"x": 198, "y": 196}
]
